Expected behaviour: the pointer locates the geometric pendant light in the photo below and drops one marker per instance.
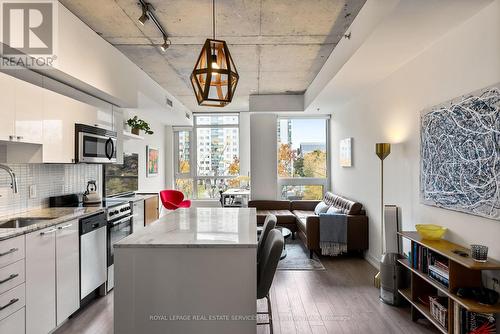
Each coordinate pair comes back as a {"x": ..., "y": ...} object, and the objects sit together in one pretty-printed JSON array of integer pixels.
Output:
[{"x": 214, "y": 77}]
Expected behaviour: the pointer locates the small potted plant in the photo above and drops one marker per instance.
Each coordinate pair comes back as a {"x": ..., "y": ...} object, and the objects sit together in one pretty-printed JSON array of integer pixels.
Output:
[{"x": 138, "y": 124}]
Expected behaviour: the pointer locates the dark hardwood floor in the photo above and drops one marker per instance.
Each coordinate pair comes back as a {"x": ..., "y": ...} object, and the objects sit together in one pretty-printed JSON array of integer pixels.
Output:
[{"x": 341, "y": 299}]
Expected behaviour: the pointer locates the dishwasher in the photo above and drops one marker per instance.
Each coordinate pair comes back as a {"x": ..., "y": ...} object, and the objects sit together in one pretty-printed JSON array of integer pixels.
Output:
[{"x": 93, "y": 266}]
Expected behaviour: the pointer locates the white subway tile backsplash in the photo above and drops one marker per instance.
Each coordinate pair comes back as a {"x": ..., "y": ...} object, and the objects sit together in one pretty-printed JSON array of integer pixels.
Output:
[{"x": 50, "y": 180}]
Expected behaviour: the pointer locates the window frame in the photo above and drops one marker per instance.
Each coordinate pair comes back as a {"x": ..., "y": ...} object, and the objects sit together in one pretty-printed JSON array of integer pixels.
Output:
[
  {"x": 306, "y": 181},
  {"x": 193, "y": 152}
]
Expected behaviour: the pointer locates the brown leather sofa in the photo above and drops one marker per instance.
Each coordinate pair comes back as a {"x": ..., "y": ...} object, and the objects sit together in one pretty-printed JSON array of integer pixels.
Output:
[
  {"x": 281, "y": 209},
  {"x": 299, "y": 217}
]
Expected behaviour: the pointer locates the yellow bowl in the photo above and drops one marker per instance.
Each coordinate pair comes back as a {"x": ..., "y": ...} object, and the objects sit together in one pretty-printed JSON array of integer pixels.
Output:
[{"x": 430, "y": 231}]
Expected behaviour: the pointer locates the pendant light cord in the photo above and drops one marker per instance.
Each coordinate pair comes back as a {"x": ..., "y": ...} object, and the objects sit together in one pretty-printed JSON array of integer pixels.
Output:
[{"x": 213, "y": 18}]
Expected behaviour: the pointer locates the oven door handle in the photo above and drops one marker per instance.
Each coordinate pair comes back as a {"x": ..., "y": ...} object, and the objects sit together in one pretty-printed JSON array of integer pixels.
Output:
[{"x": 120, "y": 221}]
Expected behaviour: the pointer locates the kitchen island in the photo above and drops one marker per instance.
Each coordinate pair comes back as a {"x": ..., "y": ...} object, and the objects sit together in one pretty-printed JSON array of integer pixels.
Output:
[{"x": 192, "y": 271}]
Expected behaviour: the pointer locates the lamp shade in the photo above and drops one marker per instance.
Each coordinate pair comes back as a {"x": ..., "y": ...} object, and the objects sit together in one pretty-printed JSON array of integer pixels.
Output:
[
  {"x": 214, "y": 77},
  {"x": 382, "y": 150}
]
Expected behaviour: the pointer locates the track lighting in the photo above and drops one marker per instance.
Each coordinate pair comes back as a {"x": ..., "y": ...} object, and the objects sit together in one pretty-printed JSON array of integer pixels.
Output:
[
  {"x": 148, "y": 14},
  {"x": 144, "y": 17},
  {"x": 166, "y": 44}
]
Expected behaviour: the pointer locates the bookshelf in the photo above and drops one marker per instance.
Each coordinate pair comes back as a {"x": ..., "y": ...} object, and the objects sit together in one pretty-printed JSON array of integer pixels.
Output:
[{"x": 459, "y": 272}]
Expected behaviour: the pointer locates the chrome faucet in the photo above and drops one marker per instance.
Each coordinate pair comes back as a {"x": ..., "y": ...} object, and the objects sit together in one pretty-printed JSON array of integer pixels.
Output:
[{"x": 12, "y": 175}]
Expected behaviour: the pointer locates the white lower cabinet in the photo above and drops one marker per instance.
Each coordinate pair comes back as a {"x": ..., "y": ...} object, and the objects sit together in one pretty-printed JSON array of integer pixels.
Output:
[
  {"x": 67, "y": 270},
  {"x": 52, "y": 277},
  {"x": 41, "y": 281},
  {"x": 14, "y": 323}
]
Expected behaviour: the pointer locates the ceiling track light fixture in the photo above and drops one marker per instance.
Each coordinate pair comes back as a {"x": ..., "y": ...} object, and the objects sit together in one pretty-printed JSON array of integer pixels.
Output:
[
  {"x": 214, "y": 77},
  {"x": 148, "y": 14}
]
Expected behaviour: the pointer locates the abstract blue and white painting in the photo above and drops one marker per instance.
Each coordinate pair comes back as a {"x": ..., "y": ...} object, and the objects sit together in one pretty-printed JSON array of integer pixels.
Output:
[{"x": 460, "y": 154}]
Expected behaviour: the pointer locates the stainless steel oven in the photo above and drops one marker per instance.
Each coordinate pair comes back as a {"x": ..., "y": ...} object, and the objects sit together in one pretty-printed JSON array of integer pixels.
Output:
[
  {"x": 94, "y": 145},
  {"x": 120, "y": 222}
]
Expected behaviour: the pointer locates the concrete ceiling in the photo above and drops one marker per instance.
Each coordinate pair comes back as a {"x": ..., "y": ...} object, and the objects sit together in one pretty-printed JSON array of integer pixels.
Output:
[{"x": 278, "y": 46}]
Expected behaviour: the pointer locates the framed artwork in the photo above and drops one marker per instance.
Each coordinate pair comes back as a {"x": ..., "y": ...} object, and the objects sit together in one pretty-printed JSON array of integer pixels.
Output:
[
  {"x": 460, "y": 155},
  {"x": 152, "y": 157},
  {"x": 345, "y": 152}
]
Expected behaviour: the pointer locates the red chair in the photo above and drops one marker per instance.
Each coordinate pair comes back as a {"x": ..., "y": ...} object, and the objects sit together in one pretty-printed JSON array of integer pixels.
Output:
[{"x": 174, "y": 199}]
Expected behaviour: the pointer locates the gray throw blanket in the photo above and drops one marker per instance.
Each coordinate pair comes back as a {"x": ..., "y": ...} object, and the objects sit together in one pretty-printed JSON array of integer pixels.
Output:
[{"x": 332, "y": 233}]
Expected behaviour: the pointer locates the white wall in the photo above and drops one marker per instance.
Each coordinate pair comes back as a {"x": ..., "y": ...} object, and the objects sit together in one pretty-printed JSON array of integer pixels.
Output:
[
  {"x": 464, "y": 60},
  {"x": 263, "y": 148},
  {"x": 244, "y": 143},
  {"x": 169, "y": 158},
  {"x": 157, "y": 140}
]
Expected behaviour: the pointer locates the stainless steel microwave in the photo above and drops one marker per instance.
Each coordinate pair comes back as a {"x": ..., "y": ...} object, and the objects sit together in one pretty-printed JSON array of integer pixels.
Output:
[{"x": 94, "y": 145}]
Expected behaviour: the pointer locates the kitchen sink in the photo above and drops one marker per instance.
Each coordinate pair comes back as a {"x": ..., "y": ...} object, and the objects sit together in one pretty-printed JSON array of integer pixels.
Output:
[{"x": 23, "y": 222}]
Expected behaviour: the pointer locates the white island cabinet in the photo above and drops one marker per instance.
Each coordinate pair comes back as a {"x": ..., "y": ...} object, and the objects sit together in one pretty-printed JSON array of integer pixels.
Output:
[{"x": 192, "y": 271}]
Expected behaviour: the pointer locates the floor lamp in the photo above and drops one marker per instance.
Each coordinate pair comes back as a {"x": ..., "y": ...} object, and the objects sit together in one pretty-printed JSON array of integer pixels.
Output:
[{"x": 382, "y": 150}]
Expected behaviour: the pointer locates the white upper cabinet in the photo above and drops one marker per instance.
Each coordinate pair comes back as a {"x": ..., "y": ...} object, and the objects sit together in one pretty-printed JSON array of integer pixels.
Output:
[
  {"x": 105, "y": 117},
  {"x": 21, "y": 116},
  {"x": 60, "y": 113},
  {"x": 8, "y": 111},
  {"x": 29, "y": 113}
]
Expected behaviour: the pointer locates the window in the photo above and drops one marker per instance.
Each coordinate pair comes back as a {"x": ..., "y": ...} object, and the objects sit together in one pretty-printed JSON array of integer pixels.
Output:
[
  {"x": 213, "y": 155},
  {"x": 303, "y": 161}
]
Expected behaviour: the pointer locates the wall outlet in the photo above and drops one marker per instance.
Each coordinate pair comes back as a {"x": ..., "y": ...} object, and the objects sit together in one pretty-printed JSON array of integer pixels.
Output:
[{"x": 33, "y": 191}]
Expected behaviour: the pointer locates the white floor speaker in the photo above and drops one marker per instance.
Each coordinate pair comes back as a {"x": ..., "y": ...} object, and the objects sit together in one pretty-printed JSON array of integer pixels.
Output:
[{"x": 391, "y": 223}]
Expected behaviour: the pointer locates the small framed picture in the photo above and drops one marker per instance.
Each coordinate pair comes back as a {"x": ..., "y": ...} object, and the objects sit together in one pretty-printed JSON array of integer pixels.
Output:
[
  {"x": 345, "y": 152},
  {"x": 152, "y": 158}
]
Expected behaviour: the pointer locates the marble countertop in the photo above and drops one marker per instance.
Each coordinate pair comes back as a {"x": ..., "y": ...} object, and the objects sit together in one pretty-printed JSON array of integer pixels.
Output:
[
  {"x": 132, "y": 198},
  {"x": 58, "y": 215},
  {"x": 198, "y": 228}
]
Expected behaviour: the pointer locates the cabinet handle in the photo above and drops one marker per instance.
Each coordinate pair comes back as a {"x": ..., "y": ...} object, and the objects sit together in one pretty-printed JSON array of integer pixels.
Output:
[
  {"x": 12, "y": 276},
  {"x": 49, "y": 231},
  {"x": 19, "y": 137},
  {"x": 12, "y": 137},
  {"x": 65, "y": 226},
  {"x": 12, "y": 250},
  {"x": 12, "y": 301}
]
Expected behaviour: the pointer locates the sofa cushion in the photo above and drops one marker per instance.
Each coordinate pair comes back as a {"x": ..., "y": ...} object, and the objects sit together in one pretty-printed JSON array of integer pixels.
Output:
[
  {"x": 303, "y": 205},
  {"x": 303, "y": 213},
  {"x": 283, "y": 216},
  {"x": 302, "y": 224},
  {"x": 302, "y": 218},
  {"x": 322, "y": 207},
  {"x": 269, "y": 205},
  {"x": 346, "y": 206}
]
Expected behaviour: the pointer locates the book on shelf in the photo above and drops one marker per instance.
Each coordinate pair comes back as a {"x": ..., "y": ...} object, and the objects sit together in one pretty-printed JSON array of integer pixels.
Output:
[
  {"x": 438, "y": 271},
  {"x": 477, "y": 323},
  {"x": 438, "y": 278}
]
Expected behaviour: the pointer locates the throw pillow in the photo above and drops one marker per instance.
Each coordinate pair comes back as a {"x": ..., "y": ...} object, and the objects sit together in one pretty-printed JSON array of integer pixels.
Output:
[
  {"x": 322, "y": 207},
  {"x": 333, "y": 210}
]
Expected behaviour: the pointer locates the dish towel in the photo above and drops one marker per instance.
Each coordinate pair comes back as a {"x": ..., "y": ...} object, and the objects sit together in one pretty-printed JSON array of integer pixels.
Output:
[{"x": 332, "y": 233}]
